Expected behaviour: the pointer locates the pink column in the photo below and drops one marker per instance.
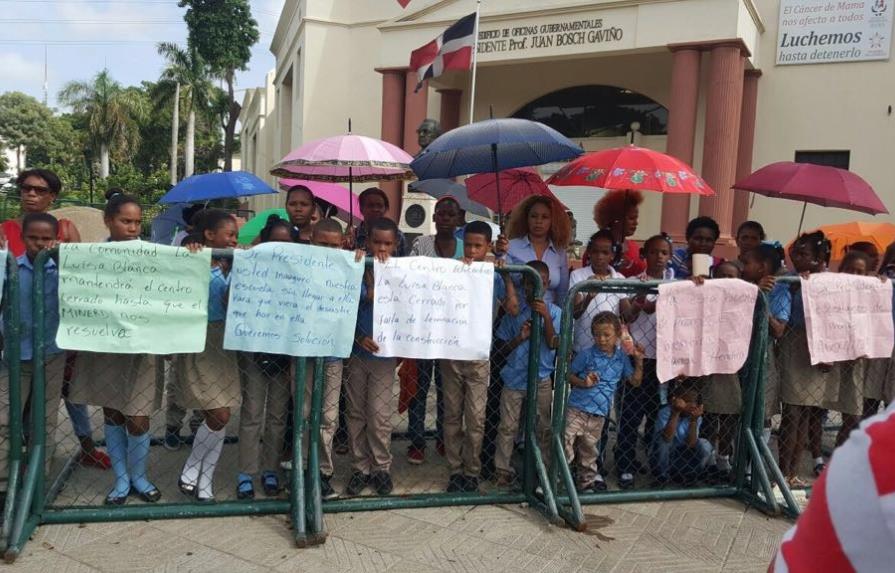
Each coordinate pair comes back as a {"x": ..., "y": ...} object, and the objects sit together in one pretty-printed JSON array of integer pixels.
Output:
[
  {"x": 393, "y": 86},
  {"x": 449, "y": 117},
  {"x": 722, "y": 126},
  {"x": 745, "y": 146},
  {"x": 415, "y": 106},
  {"x": 681, "y": 131}
]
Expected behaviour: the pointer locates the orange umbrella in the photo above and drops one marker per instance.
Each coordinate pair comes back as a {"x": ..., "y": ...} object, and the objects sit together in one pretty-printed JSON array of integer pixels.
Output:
[{"x": 845, "y": 234}]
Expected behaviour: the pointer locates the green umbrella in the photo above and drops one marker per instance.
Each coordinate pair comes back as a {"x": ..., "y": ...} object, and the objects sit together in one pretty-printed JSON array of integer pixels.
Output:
[{"x": 253, "y": 227}]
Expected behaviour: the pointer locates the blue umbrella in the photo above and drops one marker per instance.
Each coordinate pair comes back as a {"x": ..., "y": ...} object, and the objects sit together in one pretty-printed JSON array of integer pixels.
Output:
[
  {"x": 210, "y": 186},
  {"x": 167, "y": 224},
  {"x": 439, "y": 188},
  {"x": 491, "y": 146}
]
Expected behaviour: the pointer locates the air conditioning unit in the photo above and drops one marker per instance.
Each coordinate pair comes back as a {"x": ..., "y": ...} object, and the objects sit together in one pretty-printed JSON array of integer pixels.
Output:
[{"x": 417, "y": 216}]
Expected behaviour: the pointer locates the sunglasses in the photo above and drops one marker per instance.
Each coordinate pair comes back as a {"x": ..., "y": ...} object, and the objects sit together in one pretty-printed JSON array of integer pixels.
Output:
[{"x": 37, "y": 189}]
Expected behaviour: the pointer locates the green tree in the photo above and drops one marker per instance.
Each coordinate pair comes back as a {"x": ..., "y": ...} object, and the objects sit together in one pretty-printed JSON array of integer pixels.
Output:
[
  {"x": 185, "y": 78},
  {"x": 112, "y": 114},
  {"x": 223, "y": 33},
  {"x": 23, "y": 123}
]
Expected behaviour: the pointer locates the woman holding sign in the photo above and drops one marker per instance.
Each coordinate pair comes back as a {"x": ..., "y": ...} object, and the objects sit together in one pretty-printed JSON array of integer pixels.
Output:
[
  {"x": 209, "y": 381},
  {"x": 123, "y": 384}
]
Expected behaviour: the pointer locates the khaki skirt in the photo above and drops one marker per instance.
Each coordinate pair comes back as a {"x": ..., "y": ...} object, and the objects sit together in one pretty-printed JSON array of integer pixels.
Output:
[
  {"x": 876, "y": 378},
  {"x": 721, "y": 394},
  {"x": 124, "y": 382},
  {"x": 802, "y": 384},
  {"x": 771, "y": 382},
  {"x": 851, "y": 388},
  {"x": 210, "y": 379}
]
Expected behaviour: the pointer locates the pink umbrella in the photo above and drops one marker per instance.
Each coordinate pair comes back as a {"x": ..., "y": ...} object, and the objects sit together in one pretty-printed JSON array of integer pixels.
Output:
[
  {"x": 503, "y": 192},
  {"x": 329, "y": 192},
  {"x": 817, "y": 184},
  {"x": 346, "y": 158}
]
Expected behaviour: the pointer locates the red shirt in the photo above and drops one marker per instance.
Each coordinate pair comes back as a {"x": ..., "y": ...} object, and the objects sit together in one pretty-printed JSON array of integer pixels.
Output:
[{"x": 13, "y": 232}]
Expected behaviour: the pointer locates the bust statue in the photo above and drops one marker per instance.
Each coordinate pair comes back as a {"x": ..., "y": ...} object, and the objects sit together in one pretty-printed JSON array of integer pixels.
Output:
[{"x": 427, "y": 132}]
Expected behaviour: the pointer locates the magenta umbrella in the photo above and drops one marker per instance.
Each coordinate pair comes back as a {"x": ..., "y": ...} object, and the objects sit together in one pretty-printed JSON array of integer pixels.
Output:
[
  {"x": 817, "y": 184},
  {"x": 346, "y": 158},
  {"x": 503, "y": 192},
  {"x": 339, "y": 196}
]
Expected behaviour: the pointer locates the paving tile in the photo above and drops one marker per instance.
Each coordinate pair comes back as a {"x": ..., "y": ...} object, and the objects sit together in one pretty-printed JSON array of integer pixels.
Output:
[
  {"x": 43, "y": 557},
  {"x": 339, "y": 555}
]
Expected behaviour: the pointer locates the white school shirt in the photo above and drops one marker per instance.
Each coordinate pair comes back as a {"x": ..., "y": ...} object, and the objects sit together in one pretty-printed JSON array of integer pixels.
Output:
[
  {"x": 603, "y": 302},
  {"x": 643, "y": 329}
]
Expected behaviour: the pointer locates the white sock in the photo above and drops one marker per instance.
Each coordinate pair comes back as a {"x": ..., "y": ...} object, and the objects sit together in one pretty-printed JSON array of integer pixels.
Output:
[
  {"x": 713, "y": 459},
  {"x": 209, "y": 463},
  {"x": 766, "y": 435},
  {"x": 724, "y": 463},
  {"x": 818, "y": 461},
  {"x": 190, "y": 473}
]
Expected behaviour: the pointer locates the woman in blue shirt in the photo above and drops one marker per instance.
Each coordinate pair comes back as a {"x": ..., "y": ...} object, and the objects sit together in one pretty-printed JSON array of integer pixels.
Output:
[{"x": 539, "y": 229}]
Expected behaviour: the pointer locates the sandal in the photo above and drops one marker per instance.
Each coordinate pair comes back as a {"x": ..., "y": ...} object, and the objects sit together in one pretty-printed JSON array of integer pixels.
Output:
[
  {"x": 187, "y": 489},
  {"x": 245, "y": 489},
  {"x": 271, "y": 484}
]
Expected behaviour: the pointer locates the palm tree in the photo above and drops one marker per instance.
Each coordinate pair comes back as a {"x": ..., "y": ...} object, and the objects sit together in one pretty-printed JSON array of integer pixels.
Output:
[
  {"x": 111, "y": 113},
  {"x": 185, "y": 78}
]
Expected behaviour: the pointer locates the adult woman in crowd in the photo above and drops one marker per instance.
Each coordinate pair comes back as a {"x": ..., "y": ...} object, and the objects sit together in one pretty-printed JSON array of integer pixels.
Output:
[
  {"x": 618, "y": 212},
  {"x": 539, "y": 229},
  {"x": 38, "y": 191}
]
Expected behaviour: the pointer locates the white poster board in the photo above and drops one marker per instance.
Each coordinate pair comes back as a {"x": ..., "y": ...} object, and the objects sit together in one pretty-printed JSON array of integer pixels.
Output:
[
  {"x": 433, "y": 308},
  {"x": 830, "y": 31}
]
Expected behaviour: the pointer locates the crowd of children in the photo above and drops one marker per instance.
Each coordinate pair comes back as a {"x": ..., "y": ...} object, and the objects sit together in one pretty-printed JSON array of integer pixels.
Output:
[{"x": 689, "y": 425}]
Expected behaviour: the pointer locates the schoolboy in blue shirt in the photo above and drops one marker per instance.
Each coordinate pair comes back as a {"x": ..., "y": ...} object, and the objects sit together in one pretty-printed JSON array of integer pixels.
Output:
[
  {"x": 370, "y": 380},
  {"x": 677, "y": 450},
  {"x": 515, "y": 331},
  {"x": 595, "y": 375},
  {"x": 39, "y": 232}
]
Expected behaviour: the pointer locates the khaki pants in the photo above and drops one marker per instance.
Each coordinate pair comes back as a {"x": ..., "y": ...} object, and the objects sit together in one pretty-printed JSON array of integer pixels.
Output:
[
  {"x": 465, "y": 385},
  {"x": 510, "y": 416},
  {"x": 582, "y": 435},
  {"x": 369, "y": 396},
  {"x": 54, "y": 371},
  {"x": 262, "y": 419},
  {"x": 329, "y": 416}
]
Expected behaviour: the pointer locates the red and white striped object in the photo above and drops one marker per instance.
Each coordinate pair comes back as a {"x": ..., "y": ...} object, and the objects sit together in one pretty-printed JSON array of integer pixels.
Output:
[
  {"x": 849, "y": 524},
  {"x": 452, "y": 50}
]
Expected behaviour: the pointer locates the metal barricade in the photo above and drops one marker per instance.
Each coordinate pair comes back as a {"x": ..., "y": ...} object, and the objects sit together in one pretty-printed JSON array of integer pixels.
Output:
[{"x": 12, "y": 407}]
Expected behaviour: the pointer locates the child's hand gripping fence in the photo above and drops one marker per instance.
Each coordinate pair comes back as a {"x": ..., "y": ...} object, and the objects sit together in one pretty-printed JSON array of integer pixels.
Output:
[
  {"x": 202, "y": 435},
  {"x": 664, "y": 460}
]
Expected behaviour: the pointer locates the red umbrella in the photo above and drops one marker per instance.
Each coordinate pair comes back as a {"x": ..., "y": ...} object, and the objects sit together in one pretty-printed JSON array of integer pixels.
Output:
[
  {"x": 817, "y": 184},
  {"x": 631, "y": 168},
  {"x": 512, "y": 185}
]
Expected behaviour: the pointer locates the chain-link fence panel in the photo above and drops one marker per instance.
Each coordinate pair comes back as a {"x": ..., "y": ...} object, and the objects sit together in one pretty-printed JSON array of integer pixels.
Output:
[{"x": 620, "y": 434}]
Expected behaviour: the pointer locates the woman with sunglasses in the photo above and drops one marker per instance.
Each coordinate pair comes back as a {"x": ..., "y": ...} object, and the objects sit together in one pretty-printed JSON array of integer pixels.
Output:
[{"x": 38, "y": 190}]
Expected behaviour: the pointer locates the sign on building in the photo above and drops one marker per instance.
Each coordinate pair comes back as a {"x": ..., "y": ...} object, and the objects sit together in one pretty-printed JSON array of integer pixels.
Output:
[{"x": 830, "y": 31}]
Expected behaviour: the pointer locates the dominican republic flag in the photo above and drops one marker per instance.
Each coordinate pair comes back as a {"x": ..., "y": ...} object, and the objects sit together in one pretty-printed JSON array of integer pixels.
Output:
[{"x": 450, "y": 51}]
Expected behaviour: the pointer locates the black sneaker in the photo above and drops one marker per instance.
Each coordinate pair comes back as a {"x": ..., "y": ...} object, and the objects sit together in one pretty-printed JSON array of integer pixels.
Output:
[
  {"x": 357, "y": 483},
  {"x": 471, "y": 485},
  {"x": 381, "y": 482},
  {"x": 456, "y": 483},
  {"x": 173, "y": 440},
  {"x": 626, "y": 481},
  {"x": 326, "y": 488}
]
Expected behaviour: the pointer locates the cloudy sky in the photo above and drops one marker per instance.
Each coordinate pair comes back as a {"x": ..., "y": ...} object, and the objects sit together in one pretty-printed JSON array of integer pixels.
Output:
[{"x": 83, "y": 36}]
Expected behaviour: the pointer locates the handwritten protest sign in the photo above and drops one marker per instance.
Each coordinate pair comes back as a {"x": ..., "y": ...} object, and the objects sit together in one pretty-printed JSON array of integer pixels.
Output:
[
  {"x": 702, "y": 330},
  {"x": 433, "y": 308},
  {"x": 132, "y": 297},
  {"x": 293, "y": 299},
  {"x": 847, "y": 317}
]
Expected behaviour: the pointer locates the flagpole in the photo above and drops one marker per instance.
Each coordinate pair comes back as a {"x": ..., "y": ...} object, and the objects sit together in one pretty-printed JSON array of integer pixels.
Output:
[{"x": 475, "y": 52}]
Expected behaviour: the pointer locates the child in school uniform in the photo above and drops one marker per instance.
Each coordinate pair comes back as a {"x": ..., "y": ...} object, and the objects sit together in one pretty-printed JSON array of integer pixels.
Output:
[
  {"x": 595, "y": 375},
  {"x": 123, "y": 384},
  {"x": 466, "y": 381},
  {"x": 850, "y": 402},
  {"x": 515, "y": 332},
  {"x": 327, "y": 233},
  {"x": 677, "y": 451},
  {"x": 39, "y": 232},
  {"x": 644, "y": 400},
  {"x": 722, "y": 400},
  {"x": 600, "y": 254},
  {"x": 369, "y": 390},
  {"x": 265, "y": 399},
  {"x": 209, "y": 381},
  {"x": 803, "y": 388}
]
